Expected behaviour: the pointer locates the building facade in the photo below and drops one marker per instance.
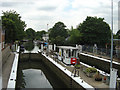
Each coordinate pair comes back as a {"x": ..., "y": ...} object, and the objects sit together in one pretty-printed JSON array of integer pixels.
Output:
[
  {"x": 119, "y": 15},
  {"x": 2, "y": 36},
  {"x": 45, "y": 37}
]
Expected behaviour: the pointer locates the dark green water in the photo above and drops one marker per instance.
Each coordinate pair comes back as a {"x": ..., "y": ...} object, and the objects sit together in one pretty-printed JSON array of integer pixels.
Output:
[{"x": 37, "y": 75}]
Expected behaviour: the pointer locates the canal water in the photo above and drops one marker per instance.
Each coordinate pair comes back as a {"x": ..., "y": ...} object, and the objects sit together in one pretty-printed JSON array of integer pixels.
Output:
[
  {"x": 35, "y": 78},
  {"x": 34, "y": 74}
]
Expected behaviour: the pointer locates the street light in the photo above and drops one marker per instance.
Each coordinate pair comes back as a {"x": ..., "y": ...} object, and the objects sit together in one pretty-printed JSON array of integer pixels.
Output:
[
  {"x": 111, "y": 34},
  {"x": 113, "y": 71},
  {"x": 47, "y": 39},
  {"x": 47, "y": 27}
]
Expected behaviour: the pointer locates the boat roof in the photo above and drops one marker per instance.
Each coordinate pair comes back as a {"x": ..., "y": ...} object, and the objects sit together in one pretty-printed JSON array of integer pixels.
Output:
[{"x": 67, "y": 47}]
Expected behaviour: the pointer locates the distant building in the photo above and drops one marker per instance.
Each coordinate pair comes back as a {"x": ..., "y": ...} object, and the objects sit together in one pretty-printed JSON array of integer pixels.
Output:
[{"x": 45, "y": 37}]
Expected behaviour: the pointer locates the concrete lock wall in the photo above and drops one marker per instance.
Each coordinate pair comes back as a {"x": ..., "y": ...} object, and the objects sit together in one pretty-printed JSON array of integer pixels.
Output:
[
  {"x": 102, "y": 65},
  {"x": 29, "y": 56},
  {"x": 5, "y": 54}
]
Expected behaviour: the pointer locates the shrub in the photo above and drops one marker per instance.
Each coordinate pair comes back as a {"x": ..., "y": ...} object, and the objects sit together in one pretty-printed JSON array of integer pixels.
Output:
[{"x": 91, "y": 70}]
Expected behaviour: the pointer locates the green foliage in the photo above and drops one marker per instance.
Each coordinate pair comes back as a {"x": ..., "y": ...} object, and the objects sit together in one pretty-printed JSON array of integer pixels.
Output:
[
  {"x": 13, "y": 26},
  {"x": 74, "y": 36},
  {"x": 59, "y": 40},
  {"x": 58, "y": 33},
  {"x": 94, "y": 31},
  {"x": 118, "y": 35},
  {"x": 39, "y": 34},
  {"x": 77, "y": 66},
  {"x": 91, "y": 70},
  {"x": 30, "y": 34}
]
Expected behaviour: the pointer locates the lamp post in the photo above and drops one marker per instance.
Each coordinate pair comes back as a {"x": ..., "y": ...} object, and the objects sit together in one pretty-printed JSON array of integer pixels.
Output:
[
  {"x": 47, "y": 27},
  {"x": 111, "y": 34},
  {"x": 47, "y": 40},
  {"x": 113, "y": 71},
  {"x": 110, "y": 84}
]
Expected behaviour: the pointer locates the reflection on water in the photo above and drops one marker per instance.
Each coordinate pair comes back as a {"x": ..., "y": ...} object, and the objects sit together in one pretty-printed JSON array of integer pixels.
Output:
[
  {"x": 36, "y": 75},
  {"x": 35, "y": 79},
  {"x": 29, "y": 46}
]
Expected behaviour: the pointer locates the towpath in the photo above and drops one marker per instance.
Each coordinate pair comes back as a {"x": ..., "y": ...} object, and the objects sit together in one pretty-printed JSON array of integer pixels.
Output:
[{"x": 6, "y": 70}]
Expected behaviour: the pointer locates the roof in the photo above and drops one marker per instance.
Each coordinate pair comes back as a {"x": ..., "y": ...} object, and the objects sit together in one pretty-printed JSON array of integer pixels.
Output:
[{"x": 67, "y": 47}]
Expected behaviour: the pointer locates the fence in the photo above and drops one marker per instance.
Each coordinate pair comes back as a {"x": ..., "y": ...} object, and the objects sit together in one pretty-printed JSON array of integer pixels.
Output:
[{"x": 100, "y": 51}]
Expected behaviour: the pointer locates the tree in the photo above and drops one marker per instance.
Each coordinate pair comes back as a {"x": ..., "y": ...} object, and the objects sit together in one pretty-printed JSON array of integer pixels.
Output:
[
  {"x": 74, "y": 36},
  {"x": 13, "y": 26},
  {"x": 39, "y": 34},
  {"x": 30, "y": 34},
  {"x": 58, "y": 40},
  {"x": 58, "y": 30},
  {"x": 94, "y": 31},
  {"x": 118, "y": 34}
]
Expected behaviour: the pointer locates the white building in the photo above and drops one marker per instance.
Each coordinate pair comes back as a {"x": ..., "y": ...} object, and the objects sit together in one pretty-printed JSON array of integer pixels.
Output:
[{"x": 45, "y": 37}]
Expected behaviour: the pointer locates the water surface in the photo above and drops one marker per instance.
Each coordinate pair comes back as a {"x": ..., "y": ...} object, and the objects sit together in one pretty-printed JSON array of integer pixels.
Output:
[
  {"x": 35, "y": 79},
  {"x": 37, "y": 75}
]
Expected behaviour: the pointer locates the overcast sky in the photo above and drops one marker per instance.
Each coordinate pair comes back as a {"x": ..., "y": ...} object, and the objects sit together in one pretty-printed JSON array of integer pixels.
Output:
[{"x": 38, "y": 13}]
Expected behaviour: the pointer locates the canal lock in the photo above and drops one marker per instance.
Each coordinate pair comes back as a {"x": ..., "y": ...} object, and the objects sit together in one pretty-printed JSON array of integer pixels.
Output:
[{"x": 31, "y": 62}]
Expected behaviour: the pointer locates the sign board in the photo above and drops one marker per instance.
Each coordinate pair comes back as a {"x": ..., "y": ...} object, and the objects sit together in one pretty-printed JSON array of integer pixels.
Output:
[{"x": 73, "y": 60}]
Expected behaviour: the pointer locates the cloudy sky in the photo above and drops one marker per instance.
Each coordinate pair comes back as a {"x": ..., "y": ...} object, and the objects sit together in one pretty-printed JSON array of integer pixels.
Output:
[{"x": 38, "y": 13}]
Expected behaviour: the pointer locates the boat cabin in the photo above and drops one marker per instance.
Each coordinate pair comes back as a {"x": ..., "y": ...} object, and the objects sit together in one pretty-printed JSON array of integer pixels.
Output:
[{"x": 68, "y": 54}]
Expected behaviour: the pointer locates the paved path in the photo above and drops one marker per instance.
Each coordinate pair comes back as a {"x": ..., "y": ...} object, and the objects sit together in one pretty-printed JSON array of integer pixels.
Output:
[
  {"x": 6, "y": 70},
  {"x": 91, "y": 81}
]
